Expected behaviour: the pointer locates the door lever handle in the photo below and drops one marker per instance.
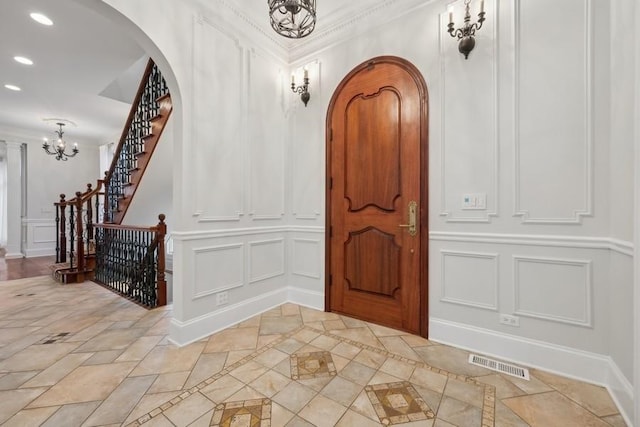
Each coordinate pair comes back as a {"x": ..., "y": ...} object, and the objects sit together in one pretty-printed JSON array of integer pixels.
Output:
[{"x": 413, "y": 215}]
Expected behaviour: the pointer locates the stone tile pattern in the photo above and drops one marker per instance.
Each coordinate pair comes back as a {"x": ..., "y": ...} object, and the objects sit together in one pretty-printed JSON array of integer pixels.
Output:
[
  {"x": 398, "y": 403},
  {"x": 110, "y": 363},
  {"x": 312, "y": 365}
]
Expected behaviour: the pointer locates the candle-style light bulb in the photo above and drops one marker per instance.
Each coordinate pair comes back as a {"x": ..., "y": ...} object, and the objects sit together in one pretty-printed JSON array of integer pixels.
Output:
[
  {"x": 481, "y": 6},
  {"x": 306, "y": 73},
  {"x": 450, "y": 10},
  {"x": 293, "y": 79}
]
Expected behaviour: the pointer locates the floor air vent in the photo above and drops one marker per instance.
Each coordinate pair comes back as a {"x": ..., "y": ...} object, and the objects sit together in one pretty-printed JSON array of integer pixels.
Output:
[{"x": 494, "y": 365}]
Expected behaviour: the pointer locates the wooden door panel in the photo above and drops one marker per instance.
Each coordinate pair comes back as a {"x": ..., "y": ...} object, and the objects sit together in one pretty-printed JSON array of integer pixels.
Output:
[
  {"x": 372, "y": 258},
  {"x": 375, "y": 153},
  {"x": 372, "y": 153}
]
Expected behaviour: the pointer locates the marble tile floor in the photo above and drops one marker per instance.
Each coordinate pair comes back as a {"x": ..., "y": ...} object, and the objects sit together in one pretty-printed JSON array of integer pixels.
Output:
[{"x": 79, "y": 355}]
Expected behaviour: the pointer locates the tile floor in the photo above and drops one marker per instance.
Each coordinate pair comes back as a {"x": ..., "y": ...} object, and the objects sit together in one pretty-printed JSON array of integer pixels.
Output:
[{"x": 79, "y": 355}]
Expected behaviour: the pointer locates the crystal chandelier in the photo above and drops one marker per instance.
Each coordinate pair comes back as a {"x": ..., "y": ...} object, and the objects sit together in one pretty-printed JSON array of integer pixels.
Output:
[
  {"x": 59, "y": 149},
  {"x": 293, "y": 19}
]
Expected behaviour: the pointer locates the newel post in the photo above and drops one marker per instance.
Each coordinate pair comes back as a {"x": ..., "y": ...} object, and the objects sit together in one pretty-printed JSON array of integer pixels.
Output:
[
  {"x": 162, "y": 283},
  {"x": 62, "y": 231},
  {"x": 79, "y": 233}
]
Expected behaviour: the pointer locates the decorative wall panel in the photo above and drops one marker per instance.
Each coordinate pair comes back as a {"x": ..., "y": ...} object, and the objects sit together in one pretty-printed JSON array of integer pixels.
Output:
[
  {"x": 306, "y": 258},
  {"x": 266, "y": 259},
  {"x": 470, "y": 278},
  {"x": 217, "y": 268},
  {"x": 553, "y": 126}
]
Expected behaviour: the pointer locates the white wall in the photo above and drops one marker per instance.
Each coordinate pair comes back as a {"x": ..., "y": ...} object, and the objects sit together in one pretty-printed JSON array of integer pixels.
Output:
[
  {"x": 47, "y": 178},
  {"x": 528, "y": 120}
]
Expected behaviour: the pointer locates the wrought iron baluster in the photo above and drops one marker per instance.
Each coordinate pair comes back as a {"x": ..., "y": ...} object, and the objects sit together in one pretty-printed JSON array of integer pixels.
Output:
[{"x": 72, "y": 234}]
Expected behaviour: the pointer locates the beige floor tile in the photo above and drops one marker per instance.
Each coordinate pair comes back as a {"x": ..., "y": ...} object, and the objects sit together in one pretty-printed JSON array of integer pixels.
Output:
[
  {"x": 459, "y": 413},
  {"x": 90, "y": 332},
  {"x": 85, "y": 384},
  {"x": 206, "y": 366},
  {"x": 316, "y": 384},
  {"x": 294, "y": 397},
  {"x": 102, "y": 357},
  {"x": 121, "y": 402},
  {"x": 357, "y": 372},
  {"x": 342, "y": 391},
  {"x": 267, "y": 339},
  {"x": 431, "y": 398},
  {"x": 203, "y": 421},
  {"x": 233, "y": 339},
  {"x": 416, "y": 341},
  {"x": 112, "y": 339},
  {"x": 442, "y": 423},
  {"x": 279, "y": 325},
  {"x": 250, "y": 323},
  {"x": 290, "y": 345},
  {"x": 330, "y": 325},
  {"x": 383, "y": 378},
  {"x": 16, "y": 379},
  {"x": 362, "y": 335},
  {"x": 552, "y": 409},
  {"x": 271, "y": 357},
  {"x": 383, "y": 331},
  {"x": 164, "y": 359},
  {"x": 159, "y": 421},
  {"x": 362, "y": 405},
  {"x": 12, "y": 401},
  {"x": 58, "y": 370},
  {"x": 505, "y": 417},
  {"x": 595, "y": 399},
  {"x": 315, "y": 325},
  {"x": 248, "y": 372},
  {"x": 397, "y": 345},
  {"x": 270, "y": 383},
  {"x": 371, "y": 359},
  {"x": 245, "y": 393},
  {"x": 352, "y": 419},
  {"x": 325, "y": 343},
  {"x": 397, "y": 368},
  {"x": 322, "y": 412},
  {"x": 221, "y": 389},
  {"x": 10, "y": 335},
  {"x": 37, "y": 357},
  {"x": 280, "y": 416},
  {"x": 71, "y": 415},
  {"x": 189, "y": 410},
  {"x": 17, "y": 346},
  {"x": 172, "y": 381},
  {"x": 429, "y": 379},
  {"x": 465, "y": 392},
  {"x": 234, "y": 356},
  {"x": 311, "y": 315},
  {"x": 504, "y": 388},
  {"x": 299, "y": 422},
  {"x": 306, "y": 335},
  {"x": 148, "y": 403},
  {"x": 290, "y": 309},
  {"x": 30, "y": 417},
  {"x": 346, "y": 350},
  {"x": 140, "y": 348}
]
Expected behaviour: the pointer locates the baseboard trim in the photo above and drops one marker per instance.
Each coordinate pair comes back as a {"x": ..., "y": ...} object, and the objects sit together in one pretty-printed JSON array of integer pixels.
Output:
[
  {"x": 581, "y": 365},
  {"x": 33, "y": 253},
  {"x": 184, "y": 333},
  {"x": 306, "y": 298}
]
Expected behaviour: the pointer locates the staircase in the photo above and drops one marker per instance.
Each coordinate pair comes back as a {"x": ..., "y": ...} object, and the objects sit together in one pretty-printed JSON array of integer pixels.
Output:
[{"x": 91, "y": 242}]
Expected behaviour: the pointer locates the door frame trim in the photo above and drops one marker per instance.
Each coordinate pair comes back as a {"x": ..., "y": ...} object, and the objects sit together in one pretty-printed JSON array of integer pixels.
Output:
[{"x": 424, "y": 181}]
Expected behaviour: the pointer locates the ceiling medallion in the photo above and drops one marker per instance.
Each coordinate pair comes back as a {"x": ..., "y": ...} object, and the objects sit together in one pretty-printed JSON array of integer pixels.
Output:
[{"x": 293, "y": 19}]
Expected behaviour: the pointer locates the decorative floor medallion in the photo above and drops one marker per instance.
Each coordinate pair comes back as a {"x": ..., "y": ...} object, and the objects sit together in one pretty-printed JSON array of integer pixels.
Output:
[
  {"x": 305, "y": 366},
  {"x": 397, "y": 403},
  {"x": 246, "y": 413}
]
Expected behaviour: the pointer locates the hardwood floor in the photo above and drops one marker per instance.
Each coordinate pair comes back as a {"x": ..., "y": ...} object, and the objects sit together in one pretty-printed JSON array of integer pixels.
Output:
[{"x": 21, "y": 268}]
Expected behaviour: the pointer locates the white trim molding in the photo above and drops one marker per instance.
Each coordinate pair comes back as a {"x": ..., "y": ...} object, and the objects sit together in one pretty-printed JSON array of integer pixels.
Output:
[
  {"x": 586, "y": 266},
  {"x": 587, "y": 209},
  {"x": 280, "y": 271},
  {"x": 469, "y": 303}
]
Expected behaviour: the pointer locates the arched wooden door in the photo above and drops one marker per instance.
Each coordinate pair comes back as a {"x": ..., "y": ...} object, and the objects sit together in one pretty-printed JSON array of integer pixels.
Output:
[{"x": 377, "y": 229}]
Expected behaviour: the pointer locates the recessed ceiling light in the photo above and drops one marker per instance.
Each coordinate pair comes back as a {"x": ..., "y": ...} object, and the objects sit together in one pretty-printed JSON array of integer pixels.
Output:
[
  {"x": 13, "y": 87},
  {"x": 23, "y": 60},
  {"x": 42, "y": 19}
]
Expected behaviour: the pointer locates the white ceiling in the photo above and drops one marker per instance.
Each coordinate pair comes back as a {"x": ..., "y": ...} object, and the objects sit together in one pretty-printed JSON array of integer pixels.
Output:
[
  {"x": 75, "y": 60},
  {"x": 84, "y": 65}
]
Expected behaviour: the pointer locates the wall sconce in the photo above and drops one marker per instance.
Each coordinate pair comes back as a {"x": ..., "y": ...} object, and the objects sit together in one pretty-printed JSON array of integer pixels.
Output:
[
  {"x": 302, "y": 90},
  {"x": 468, "y": 30}
]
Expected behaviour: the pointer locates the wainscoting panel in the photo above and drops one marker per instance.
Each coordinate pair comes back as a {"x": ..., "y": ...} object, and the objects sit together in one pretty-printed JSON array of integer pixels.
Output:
[
  {"x": 39, "y": 237},
  {"x": 470, "y": 278},
  {"x": 266, "y": 137},
  {"x": 266, "y": 259},
  {"x": 217, "y": 268},
  {"x": 553, "y": 134},
  {"x": 553, "y": 289},
  {"x": 306, "y": 258},
  {"x": 218, "y": 126}
]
